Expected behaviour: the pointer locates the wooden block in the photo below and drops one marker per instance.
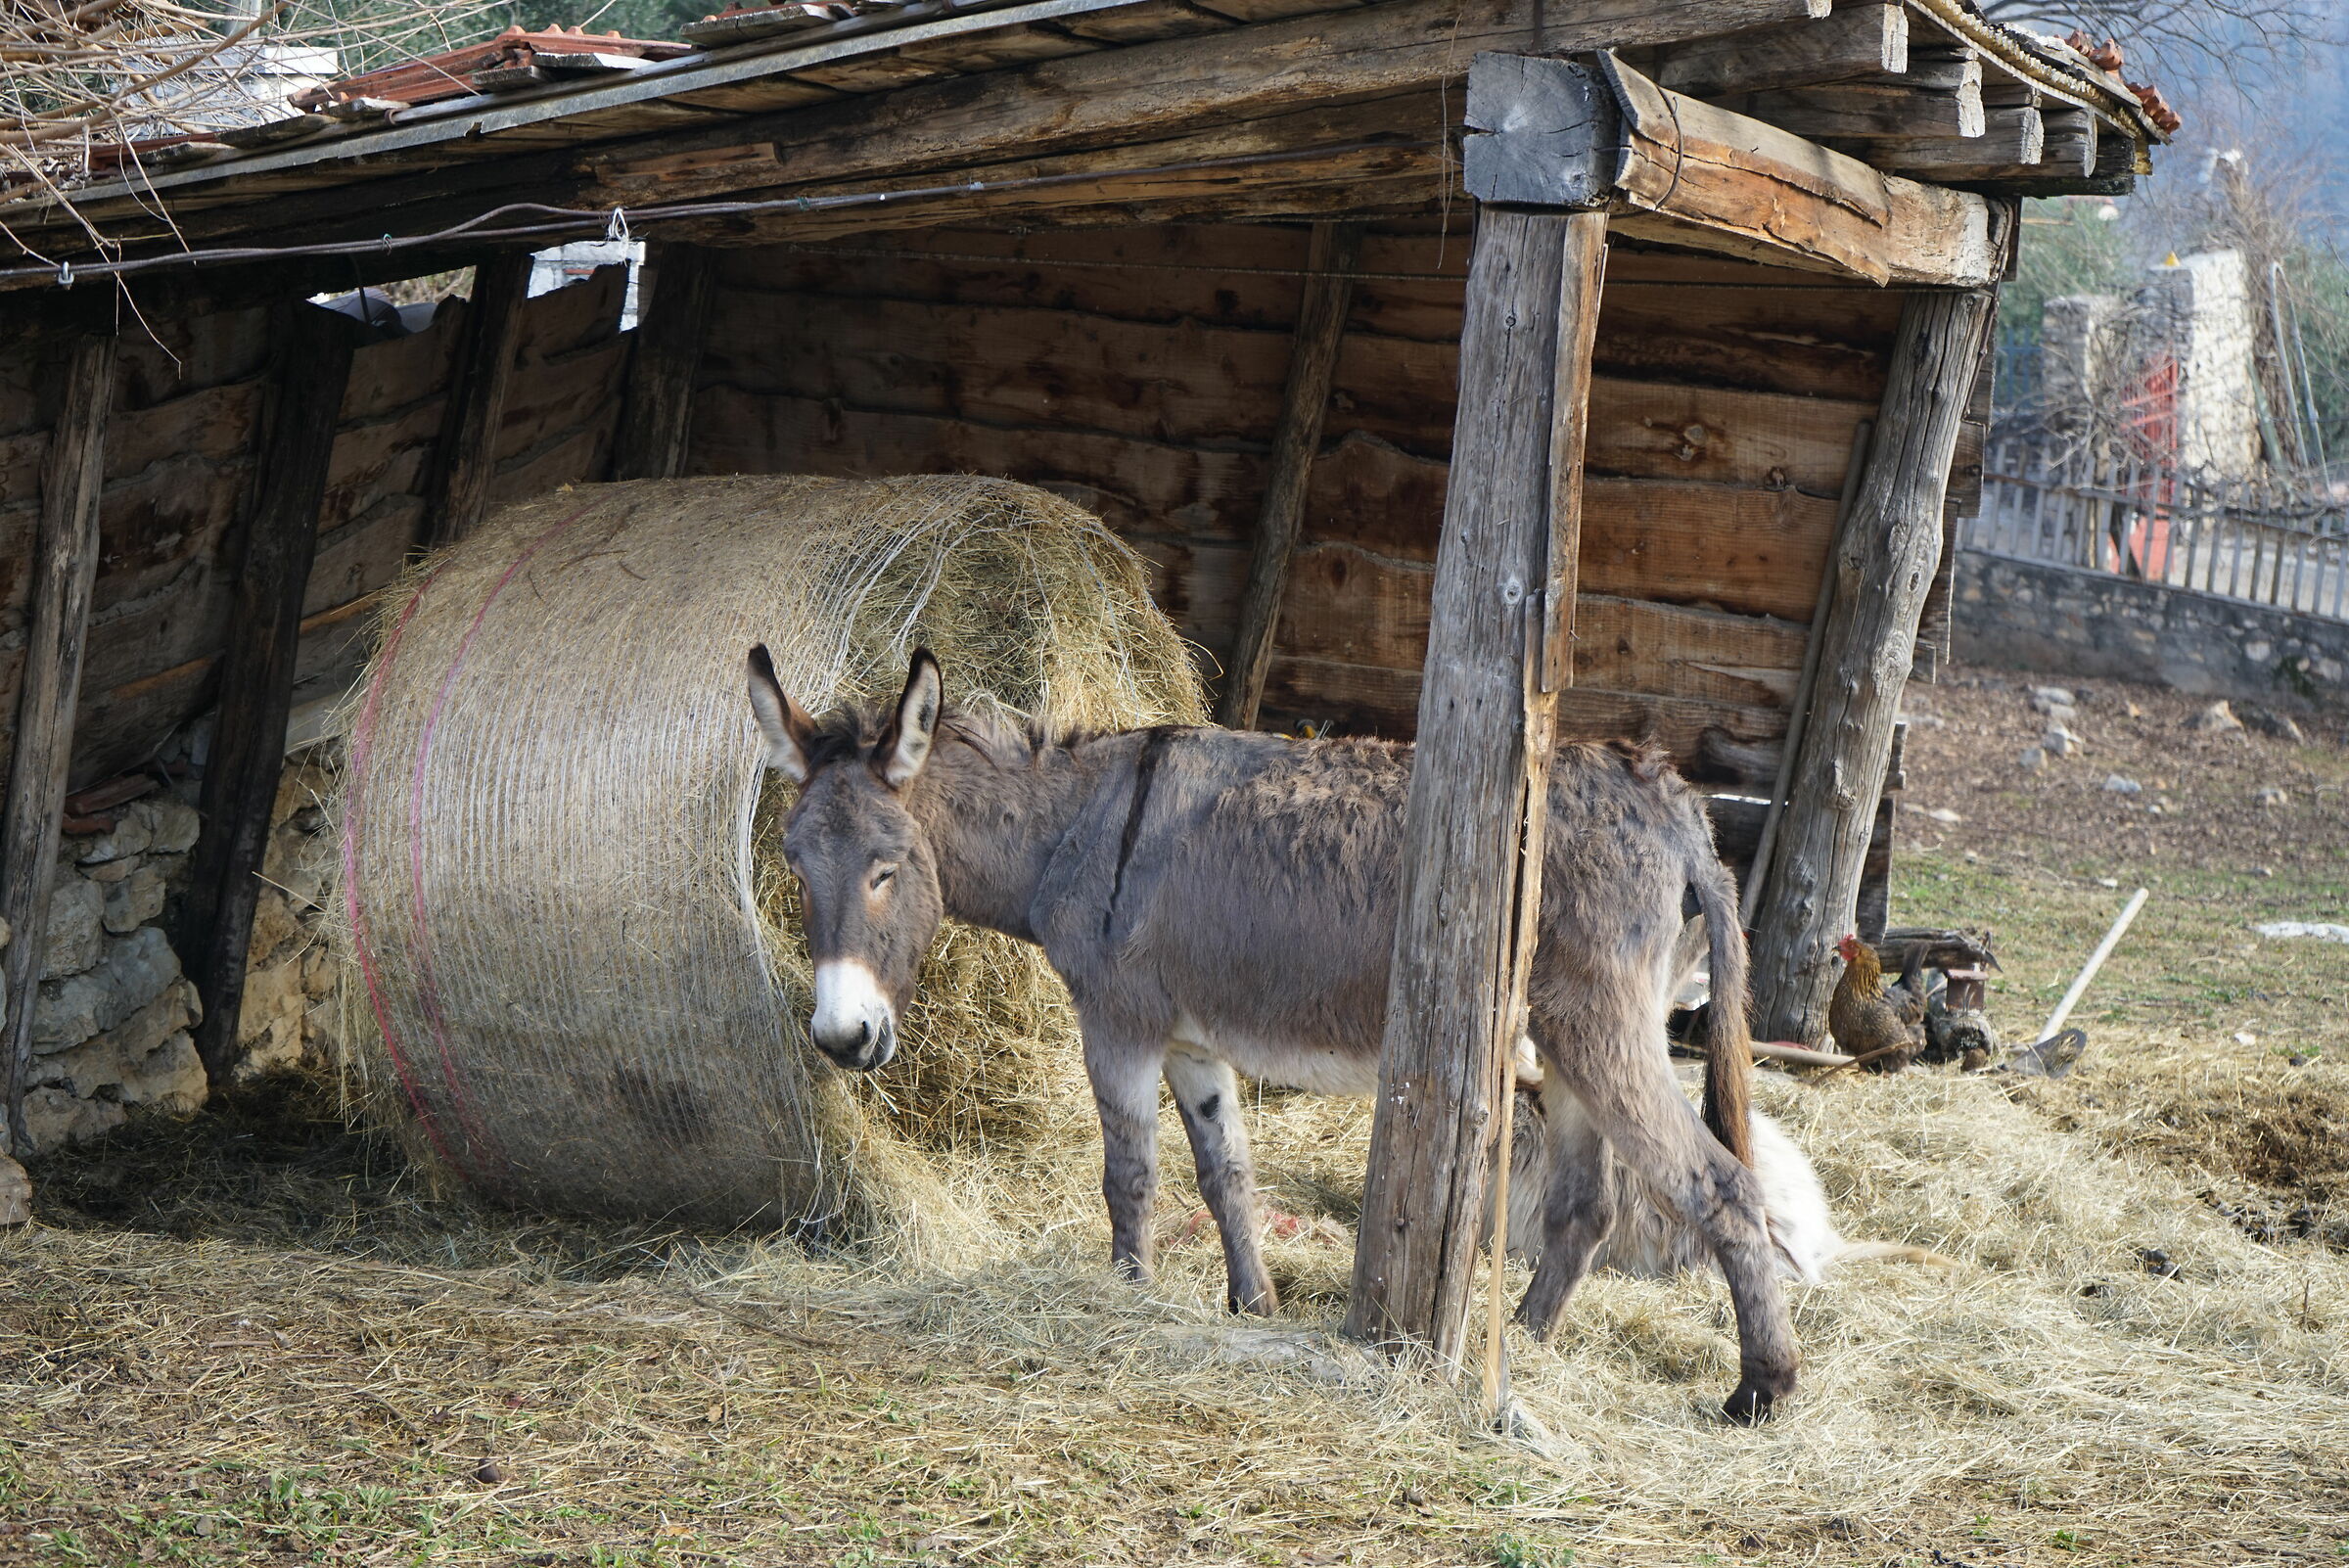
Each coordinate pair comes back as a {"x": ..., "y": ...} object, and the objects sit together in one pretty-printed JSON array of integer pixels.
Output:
[
  {"x": 998, "y": 50},
  {"x": 1852, "y": 41},
  {"x": 1145, "y": 22},
  {"x": 2012, "y": 142},
  {"x": 1690, "y": 173},
  {"x": 1866, "y": 111},
  {"x": 2070, "y": 143}
]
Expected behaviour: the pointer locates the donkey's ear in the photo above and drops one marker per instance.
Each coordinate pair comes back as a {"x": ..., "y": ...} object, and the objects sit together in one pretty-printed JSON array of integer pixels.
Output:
[
  {"x": 906, "y": 746},
  {"x": 788, "y": 730}
]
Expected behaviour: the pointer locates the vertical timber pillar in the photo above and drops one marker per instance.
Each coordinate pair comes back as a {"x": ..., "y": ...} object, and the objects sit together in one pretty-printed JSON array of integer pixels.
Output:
[
  {"x": 64, "y": 570},
  {"x": 1884, "y": 562},
  {"x": 656, "y": 418},
  {"x": 467, "y": 457},
  {"x": 1497, "y": 653},
  {"x": 280, "y": 540},
  {"x": 1312, "y": 363}
]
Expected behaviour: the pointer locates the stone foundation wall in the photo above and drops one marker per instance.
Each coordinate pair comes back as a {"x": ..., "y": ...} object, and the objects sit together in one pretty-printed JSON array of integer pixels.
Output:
[
  {"x": 111, "y": 1022},
  {"x": 113, "y": 1013},
  {"x": 2055, "y": 620}
]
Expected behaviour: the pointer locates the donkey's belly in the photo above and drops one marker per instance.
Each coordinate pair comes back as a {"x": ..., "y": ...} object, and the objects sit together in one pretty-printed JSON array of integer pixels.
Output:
[{"x": 1316, "y": 1069}]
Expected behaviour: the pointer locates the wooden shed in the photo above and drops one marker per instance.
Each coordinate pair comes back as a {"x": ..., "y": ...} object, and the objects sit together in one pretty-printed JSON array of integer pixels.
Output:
[{"x": 1483, "y": 370}]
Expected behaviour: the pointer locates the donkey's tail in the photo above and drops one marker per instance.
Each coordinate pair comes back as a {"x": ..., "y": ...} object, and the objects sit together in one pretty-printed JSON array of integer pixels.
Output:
[{"x": 1728, "y": 1046}]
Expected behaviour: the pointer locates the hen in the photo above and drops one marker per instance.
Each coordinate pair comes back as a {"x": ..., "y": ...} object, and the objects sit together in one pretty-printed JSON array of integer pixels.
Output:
[{"x": 1885, "y": 1030}]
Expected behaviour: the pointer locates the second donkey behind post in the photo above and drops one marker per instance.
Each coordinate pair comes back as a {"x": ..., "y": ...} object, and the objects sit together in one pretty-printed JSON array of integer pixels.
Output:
[{"x": 1219, "y": 900}]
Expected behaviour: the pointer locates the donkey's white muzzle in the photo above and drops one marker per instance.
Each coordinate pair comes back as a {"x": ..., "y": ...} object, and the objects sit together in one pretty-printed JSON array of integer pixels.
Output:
[{"x": 854, "y": 1024}]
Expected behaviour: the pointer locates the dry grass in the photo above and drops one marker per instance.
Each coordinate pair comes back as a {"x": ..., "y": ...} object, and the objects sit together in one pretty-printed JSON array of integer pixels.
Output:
[{"x": 256, "y": 1334}]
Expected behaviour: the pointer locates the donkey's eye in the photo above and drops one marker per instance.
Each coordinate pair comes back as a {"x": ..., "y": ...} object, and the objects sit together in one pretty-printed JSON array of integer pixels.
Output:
[{"x": 881, "y": 876}]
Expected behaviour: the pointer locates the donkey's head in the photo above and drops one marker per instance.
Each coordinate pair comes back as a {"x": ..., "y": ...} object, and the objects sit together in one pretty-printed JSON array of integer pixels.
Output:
[{"x": 869, "y": 886}]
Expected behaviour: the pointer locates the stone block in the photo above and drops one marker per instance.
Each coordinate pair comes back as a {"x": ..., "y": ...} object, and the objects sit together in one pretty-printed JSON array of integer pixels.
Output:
[
  {"x": 76, "y": 940},
  {"x": 135, "y": 899},
  {"x": 56, "y": 1118},
  {"x": 16, "y": 1193},
  {"x": 133, "y": 973},
  {"x": 269, "y": 1026},
  {"x": 274, "y": 924},
  {"x": 132, "y": 832},
  {"x": 176, "y": 824}
]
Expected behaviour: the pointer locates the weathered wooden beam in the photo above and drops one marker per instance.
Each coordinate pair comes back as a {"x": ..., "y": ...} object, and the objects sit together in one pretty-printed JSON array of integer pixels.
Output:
[
  {"x": 2013, "y": 143},
  {"x": 1885, "y": 110},
  {"x": 656, "y": 404},
  {"x": 1945, "y": 68},
  {"x": 1320, "y": 326},
  {"x": 1860, "y": 40},
  {"x": 64, "y": 568},
  {"x": 1472, "y": 857},
  {"x": 1593, "y": 134},
  {"x": 1138, "y": 94},
  {"x": 457, "y": 495},
  {"x": 279, "y": 539},
  {"x": 2069, "y": 144},
  {"x": 1884, "y": 566},
  {"x": 1306, "y": 180}
]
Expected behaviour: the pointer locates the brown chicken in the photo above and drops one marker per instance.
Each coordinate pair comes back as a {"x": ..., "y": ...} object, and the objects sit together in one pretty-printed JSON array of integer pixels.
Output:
[{"x": 1884, "y": 1029}]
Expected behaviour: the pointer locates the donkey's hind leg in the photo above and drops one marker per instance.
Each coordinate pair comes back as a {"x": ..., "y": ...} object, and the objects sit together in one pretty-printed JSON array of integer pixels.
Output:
[
  {"x": 1208, "y": 1095},
  {"x": 1623, "y": 1079},
  {"x": 1578, "y": 1210}
]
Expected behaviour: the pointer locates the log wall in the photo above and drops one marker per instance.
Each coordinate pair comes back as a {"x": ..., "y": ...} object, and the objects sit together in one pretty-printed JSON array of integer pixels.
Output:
[
  {"x": 178, "y": 459},
  {"x": 1140, "y": 371}
]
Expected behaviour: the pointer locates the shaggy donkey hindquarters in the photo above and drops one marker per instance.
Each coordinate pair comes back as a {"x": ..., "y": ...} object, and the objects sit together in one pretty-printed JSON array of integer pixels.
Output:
[{"x": 1218, "y": 899}]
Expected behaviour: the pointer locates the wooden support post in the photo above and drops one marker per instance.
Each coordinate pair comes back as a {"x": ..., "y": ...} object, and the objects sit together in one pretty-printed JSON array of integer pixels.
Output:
[
  {"x": 1312, "y": 362},
  {"x": 655, "y": 419},
  {"x": 1884, "y": 562},
  {"x": 64, "y": 569},
  {"x": 1472, "y": 860},
  {"x": 280, "y": 538},
  {"x": 466, "y": 460}
]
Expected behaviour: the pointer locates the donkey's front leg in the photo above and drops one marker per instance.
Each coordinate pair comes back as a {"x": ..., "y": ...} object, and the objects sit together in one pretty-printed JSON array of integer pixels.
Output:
[
  {"x": 1208, "y": 1095},
  {"x": 1123, "y": 1071}
]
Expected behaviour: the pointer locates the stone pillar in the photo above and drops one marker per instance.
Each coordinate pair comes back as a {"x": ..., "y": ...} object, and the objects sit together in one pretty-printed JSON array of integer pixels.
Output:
[{"x": 2205, "y": 304}]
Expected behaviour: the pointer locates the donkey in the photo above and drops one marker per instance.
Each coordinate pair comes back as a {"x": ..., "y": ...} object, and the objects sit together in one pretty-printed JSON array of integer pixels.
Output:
[{"x": 1218, "y": 900}]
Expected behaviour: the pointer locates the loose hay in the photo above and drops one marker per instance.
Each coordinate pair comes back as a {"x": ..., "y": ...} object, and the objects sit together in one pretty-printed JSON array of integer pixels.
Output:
[{"x": 570, "y": 926}]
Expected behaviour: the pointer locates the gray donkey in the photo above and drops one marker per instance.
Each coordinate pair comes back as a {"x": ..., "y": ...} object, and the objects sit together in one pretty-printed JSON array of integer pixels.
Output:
[{"x": 1217, "y": 900}]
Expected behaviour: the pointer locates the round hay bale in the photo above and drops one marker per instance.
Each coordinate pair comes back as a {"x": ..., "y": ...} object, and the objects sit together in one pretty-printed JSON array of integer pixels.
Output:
[{"x": 567, "y": 926}]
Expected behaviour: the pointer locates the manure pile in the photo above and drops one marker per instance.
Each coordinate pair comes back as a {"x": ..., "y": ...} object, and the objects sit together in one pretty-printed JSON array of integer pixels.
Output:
[{"x": 570, "y": 940}]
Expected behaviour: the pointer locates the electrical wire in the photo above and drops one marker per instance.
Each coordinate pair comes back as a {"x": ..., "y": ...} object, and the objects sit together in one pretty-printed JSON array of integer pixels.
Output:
[{"x": 562, "y": 220}]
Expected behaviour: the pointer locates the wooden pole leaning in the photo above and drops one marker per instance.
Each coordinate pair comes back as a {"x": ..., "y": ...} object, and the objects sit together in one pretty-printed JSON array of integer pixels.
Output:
[
  {"x": 457, "y": 496},
  {"x": 1885, "y": 563},
  {"x": 65, "y": 570},
  {"x": 274, "y": 555},
  {"x": 1312, "y": 363},
  {"x": 1472, "y": 867},
  {"x": 656, "y": 415}
]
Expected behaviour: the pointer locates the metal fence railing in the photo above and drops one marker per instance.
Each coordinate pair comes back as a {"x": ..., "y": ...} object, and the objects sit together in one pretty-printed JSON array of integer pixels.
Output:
[{"x": 2249, "y": 539}]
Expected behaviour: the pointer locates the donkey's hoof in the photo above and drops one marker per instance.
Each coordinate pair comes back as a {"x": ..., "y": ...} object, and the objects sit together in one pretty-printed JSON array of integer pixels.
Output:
[{"x": 1752, "y": 1404}]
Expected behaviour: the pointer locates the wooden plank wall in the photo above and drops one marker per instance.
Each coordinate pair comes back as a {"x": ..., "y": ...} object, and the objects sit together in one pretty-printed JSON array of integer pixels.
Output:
[
  {"x": 1146, "y": 384},
  {"x": 179, "y": 447}
]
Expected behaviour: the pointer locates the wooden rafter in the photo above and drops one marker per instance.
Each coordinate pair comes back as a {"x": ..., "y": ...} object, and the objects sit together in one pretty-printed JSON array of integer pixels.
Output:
[{"x": 1558, "y": 133}]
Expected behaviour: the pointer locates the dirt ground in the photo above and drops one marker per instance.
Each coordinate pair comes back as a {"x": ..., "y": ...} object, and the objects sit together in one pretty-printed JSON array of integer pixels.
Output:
[
  {"x": 260, "y": 1336},
  {"x": 2198, "y": 804}
]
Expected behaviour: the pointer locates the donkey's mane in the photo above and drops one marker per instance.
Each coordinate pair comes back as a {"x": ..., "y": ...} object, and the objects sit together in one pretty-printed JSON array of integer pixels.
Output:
[{"x": 852, "y": 730}]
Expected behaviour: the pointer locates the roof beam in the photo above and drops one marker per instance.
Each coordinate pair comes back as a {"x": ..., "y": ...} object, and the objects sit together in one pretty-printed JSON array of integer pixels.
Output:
[
  {"x": 1885, "y": 110},
  {"x": 1561, "y": 133},
  {"x": 2013, "y": 143},
  {"x": 1862, "y": 41}
]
